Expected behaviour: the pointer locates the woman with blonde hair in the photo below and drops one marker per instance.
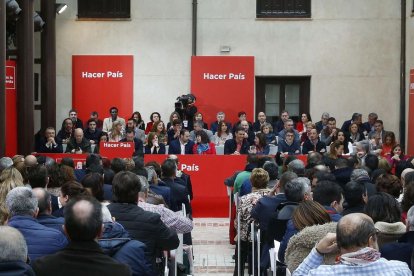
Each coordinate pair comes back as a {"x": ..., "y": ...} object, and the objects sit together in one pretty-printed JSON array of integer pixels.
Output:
[
  {"x": 10, "y": 178},
  {"x": 116, "y": 133}
]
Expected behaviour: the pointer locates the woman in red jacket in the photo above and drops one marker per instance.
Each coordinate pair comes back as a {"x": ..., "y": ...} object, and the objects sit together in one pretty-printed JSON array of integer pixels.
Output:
[
  {"x": 203, "y": 145},
  {"x": 155, "y": 117}
]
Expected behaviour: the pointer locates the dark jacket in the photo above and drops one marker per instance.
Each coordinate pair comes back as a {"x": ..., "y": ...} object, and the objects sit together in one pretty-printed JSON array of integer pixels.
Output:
[
  {"x": 265, "y": 208},
  {"x": 107, "y": 192},
  {"x": 139, "y": 146},
  {"x": 51, "y": 221},
  {"x": 41, "y": 240},
  {"x": 85, "y": 146},
  {"x": 95, "y": 136},
  {"x": 15, "y": 268},
  {"x": 161, "y": 149},
  {"x": 404, "y": 247},
  {"x": 175, "y": 147},
  {"x": 308, "y": 146},
  {"x": 294, "y": 148},
  {"x": 214, "y": 127},
  {"x": 146, "y": 227},
  {"x": 163, "y": 191},
  {"x": 41, "y": 147},
  {"x": 80, "y": 258},
  {"x": 230, "y": 147},
  {"x": 179, "y": 194},
  {"x": 116, "y": 243}
]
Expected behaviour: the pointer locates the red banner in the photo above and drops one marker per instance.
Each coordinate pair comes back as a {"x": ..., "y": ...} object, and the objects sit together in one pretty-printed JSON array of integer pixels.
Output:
[
  {"x": 116, "y": 149},
  {"x": 223, "y": 84},
  {"x": 100, "y": 82},
  {"x": 11, "y": 109},
  {"x": 208, "y": 173},
  {"x": 410, "y": 142}
]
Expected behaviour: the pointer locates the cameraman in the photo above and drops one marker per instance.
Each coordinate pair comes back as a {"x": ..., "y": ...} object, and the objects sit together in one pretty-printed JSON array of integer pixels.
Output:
[{"x": 185, "y": 106}]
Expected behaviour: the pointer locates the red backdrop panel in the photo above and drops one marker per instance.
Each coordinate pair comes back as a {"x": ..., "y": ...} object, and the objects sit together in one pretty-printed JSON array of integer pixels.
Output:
[
  {"x": 207, "y": 177},
  {"x": 223, "y": 84},
  {"x": 11, "y": 113},
  {"x": 100, "y": 82},
  {"x": 410, "y": 142}
]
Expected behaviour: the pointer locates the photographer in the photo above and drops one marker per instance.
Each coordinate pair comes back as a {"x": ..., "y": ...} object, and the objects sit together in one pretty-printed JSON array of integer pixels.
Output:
[{"x": 185, "y": 106}]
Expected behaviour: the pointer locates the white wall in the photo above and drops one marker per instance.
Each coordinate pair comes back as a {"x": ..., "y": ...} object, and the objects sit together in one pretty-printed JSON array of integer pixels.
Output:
[{"x": 350, "y": 48}]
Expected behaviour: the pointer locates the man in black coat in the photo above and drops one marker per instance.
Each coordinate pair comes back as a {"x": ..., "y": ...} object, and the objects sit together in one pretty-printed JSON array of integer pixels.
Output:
[
  {"x": 48, "y": 143},
  {"x": 144, "y": 226},
  {"x": 184, "y": 140},
  {"x": 83, "y": 255}
]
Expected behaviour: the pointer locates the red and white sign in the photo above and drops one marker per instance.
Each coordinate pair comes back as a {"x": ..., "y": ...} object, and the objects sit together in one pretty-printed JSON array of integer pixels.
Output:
[
  {"x": 11, "y": 109},
  {"x": 223, "y": 84},
  {"x": 100, "y": 82},
  {"x": 116, "y": 149},
  {"x": 410, "y": 140},
  {"x": 207, "y": 177}
]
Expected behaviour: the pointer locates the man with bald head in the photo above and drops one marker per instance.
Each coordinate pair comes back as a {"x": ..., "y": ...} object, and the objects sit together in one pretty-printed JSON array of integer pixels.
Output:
[
  {"x": 83, "y": 256},
  {"x": 78, "y": 143},
  {"x": 30, "y": 161},
  {"x": 356, "y": 240},
  {"x": 261, "y": 120}
]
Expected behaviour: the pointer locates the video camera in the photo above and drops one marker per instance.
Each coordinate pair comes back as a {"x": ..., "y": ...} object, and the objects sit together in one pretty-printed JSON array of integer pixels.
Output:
[{"x": 183, "y": 101}]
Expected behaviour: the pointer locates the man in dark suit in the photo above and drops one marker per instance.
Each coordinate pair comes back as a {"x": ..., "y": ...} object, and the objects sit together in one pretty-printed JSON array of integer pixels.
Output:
[
  {"x": 83, "y": 256},
  {"x": 369, "y": 125},
  {"x": 130, "y": 137},
  {"x": 183, "y": 145},
  {"x": 179, "y": 192},
  {"x": 48, "y": 142},
  {"x": 237, "y": 145}
]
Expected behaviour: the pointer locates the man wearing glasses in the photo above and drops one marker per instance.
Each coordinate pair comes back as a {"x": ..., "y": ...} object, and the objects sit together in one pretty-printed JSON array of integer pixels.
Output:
[
  {"x": 356, "y": 242},
  {"x": 107, "y": 123}
]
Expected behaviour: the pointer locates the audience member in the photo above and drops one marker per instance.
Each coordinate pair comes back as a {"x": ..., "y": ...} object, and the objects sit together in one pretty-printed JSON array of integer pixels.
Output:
[
  {"x": 288, "y": 145},
  {"x": 13, "y": 253},
  {"x": 369, "y": 125},
  {"x": 330, "y": 196},
  {"x": 78, "y": 143},
  {"x": 288, "y": 126},
  {"x": 92, "y": 133},
  {"x": 144, "y": 226},
  {"x": 138, "y": 146},
  {"x": 329, "y": 133},
  {"x": 386, "y": 214},
  {"x": 153, "y": 145},
  {"x": 83, "y": 255},
  {"x": 356, "y": 197},
  {"x": 23, "y": 209},
  {"x": 237, "y": 145},
  {"x": 107, "y": 123},
  {"x": 48, "y": 143},
  {"x": 73, "y": 115},
  {"x": 45, "y": 217},
  {"x": 323, "y": 122},
  {"x": 66, "y": 131},
  {"x": 279, "y": 125},
  {"x": 313, "y": 144},
  {"x": 356, "y": 238},
  {"x": 261, "y": 120},
  {"x": 99, "y": 122}
]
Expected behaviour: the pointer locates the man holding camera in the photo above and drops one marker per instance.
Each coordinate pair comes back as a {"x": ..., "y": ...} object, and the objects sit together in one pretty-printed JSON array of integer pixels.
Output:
[{"x": 185, "y": 106}]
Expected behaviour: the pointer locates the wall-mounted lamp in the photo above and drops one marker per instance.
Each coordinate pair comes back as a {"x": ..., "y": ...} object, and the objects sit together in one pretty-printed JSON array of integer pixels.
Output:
[
  {"x": 225, "y": 49},
  {"x": 13, "y": 9},
  {"x": 60, "y": 7},
  {"x": 38, "y": 22}
]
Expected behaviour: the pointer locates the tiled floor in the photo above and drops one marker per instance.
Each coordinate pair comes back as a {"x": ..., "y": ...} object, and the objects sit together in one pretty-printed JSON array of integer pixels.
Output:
[{"x": 211, "y": 247}]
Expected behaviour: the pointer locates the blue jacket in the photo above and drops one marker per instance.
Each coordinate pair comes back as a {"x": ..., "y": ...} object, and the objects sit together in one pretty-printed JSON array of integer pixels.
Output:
[
  {"x": 294, "y": 148},
  {"x": 117, "y": 243},
  {"x": 163, "y": 191},
  {"x": 16, "y": 268},
  {"x": 175, "y": 147},
  {"x": 51, "y": 221},
  {"x": 107, "y": 192},
  {"x": 41, "y": 240}
]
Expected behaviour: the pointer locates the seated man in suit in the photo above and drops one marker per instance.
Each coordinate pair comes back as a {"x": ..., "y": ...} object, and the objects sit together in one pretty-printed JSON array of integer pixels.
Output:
[
  {"x": 183, "y": 145},
  {"x": 48, "y": 143},
  {"x": 130, "y": 137},
  {"x": 237, "y": 145},
  {"x": 83, "y": 255}
]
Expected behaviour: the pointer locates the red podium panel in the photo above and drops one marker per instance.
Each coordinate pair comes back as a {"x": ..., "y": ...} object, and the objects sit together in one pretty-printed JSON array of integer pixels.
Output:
[
  {"x": 100, "y": 82},
  {"x": 117, "y": 149},
  {"x": 223, "y": 84},
  {"x": 207, "y": 177}
]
